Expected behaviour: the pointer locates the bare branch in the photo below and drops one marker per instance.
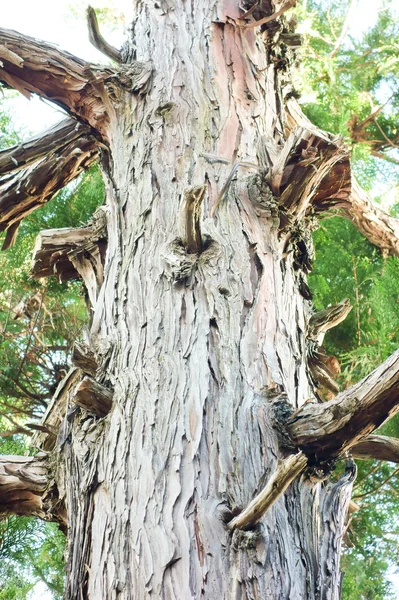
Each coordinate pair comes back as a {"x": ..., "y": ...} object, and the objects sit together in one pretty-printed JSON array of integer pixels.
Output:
[
  {"x": 377, "y": 447},
  {"x": 325, "y": 431},
  {"x": 289, "y": 4},
  {"x": 27, "y": 190},
  {"x": 345, "y": 28},
  {"x": 97, "y": 39},
  {"x": 22, "y": 155},
  {"x": 285, "y": 473}
]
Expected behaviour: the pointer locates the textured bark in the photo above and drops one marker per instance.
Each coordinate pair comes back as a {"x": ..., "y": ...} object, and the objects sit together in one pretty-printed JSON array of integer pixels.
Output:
[{"x": 201, "y": 315}]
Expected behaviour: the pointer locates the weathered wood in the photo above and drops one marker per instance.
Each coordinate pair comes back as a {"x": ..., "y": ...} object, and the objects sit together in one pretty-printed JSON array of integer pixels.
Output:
[
  {"x": 93, "y": 396},
  {"x": 53, "y": 247},
  {"x": 84, "y": 358},
  {"x": 326, "y": 431},
  {"x": 24, "y": 489},
  {"x": 377, "y": 447},
  {"x": 27, "y": 190},
  {"x": 285, "y": 473},
  {"x": 97, "y": 39},
  {"x": 59, "y": 135},
  {"x": 73, "y": 254}
]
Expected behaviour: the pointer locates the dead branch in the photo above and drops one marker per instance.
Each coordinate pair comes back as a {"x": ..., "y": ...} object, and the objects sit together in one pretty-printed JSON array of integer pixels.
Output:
[
  {"x": 377, "y": 447},
  {"x": 325, "y": 431},
  {"x": 20, "y": 156},
  {"x": 27, "y": 190},
  {"x": 97, "y": 39},
  {"x": 286, "y": 472}
]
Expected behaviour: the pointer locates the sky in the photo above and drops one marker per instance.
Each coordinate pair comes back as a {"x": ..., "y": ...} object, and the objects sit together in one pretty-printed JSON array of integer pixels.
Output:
[{"x": 53, "y": 21}]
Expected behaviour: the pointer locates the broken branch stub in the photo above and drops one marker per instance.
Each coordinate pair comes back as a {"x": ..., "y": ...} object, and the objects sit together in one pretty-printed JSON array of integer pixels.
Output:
[
  {"x": 93, "y": 396},
  {"x": 84, "y": 358},
  {"x": 24, "y": 489},
  {"x": 325, "y": 431},
  {"x": 286, "y": 472},
  {"x": 76, "y": 253}
]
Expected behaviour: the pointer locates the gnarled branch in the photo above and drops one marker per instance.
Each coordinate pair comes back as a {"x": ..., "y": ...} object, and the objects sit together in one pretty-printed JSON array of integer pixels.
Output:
[
  {"x": 84, "y": 90},
  {"x": 325, "y": 431},
  {"x": 336, "y": 189}
]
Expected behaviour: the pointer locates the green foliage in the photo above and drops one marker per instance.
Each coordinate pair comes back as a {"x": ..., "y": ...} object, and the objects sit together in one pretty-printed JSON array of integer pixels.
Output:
[{"x": 30, "y": 551}]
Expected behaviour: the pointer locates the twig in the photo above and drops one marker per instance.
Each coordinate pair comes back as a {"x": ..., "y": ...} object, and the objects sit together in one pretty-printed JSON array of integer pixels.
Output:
[{"x": 344, "y": 30}]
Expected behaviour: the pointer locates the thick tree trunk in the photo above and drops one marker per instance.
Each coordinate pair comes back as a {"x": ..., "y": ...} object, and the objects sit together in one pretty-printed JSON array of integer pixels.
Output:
[
  {"x": 200, "y": 325},
  {"x": 180, "y": 408}
]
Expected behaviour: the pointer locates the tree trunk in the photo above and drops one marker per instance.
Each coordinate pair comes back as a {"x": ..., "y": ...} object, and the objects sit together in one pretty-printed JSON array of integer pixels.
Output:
[
  {"x": 199, "y": 333},
  {"x": 200, "y": 324}
]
